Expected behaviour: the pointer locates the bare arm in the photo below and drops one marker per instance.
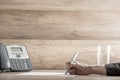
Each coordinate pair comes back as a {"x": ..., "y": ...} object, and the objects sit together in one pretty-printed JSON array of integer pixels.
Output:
[
  {"x": 77, "y": 68},
  {"x": 97, "y": 70}
]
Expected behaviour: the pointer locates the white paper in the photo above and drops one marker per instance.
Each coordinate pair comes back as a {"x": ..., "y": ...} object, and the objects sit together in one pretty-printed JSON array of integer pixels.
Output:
[{"x": 46, "y": 74}]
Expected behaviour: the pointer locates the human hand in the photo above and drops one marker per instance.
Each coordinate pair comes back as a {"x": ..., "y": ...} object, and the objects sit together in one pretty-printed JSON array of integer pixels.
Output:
[{"x": 76, "y": 68}]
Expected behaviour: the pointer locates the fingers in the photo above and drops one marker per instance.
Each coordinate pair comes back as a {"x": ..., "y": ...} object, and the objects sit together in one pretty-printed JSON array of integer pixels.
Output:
[
  {"x": 72, "y": 71},
  {"x": 71, "y": 67},
  {"x": 76, "y": 68},
  {"x": 67, "y": 64}
]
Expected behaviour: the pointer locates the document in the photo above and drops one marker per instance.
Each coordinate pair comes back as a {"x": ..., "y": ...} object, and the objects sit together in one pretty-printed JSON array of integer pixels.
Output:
[{"x": 47, "y": 74}]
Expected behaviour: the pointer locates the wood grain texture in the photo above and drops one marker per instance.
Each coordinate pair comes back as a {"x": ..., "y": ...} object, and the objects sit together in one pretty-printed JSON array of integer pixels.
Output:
[
  {"x": 71, "y": 5},
  {"x": 52, "y": 54},
  {"x": 59, "y": 25},
  {"x": 95, "y": 77},
  {"x": 17, "y": 76},
  {"x": 60, "y": 19}
]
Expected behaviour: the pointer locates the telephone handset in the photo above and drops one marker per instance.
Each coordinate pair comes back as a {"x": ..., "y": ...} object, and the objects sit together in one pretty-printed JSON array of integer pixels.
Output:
[
  {"x": 14, "y": 58},
  {"x": 4, "y": 60}
]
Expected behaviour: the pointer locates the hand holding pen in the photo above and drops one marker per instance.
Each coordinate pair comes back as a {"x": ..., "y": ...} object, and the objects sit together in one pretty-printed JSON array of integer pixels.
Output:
[
  {"x": 77, "y": 68},
  {"x": 72, "y": 60}
]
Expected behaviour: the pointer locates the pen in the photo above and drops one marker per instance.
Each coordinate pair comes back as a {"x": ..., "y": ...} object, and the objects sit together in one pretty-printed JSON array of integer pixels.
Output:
[{"x": 73, "y": 59}]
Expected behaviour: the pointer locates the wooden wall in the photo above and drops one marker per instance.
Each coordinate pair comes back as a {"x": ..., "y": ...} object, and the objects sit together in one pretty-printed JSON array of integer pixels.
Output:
[
  {"x": 72, "y": 5},
  {"x": 60, "y": 19},
  {"x": 52, "y": 54},
  {"x": 53, "y": 30}
]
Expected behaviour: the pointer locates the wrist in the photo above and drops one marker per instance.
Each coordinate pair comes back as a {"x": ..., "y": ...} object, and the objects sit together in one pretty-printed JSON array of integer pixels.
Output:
[
  {"x": 90, "y": 69},
  {"x": 97, "y": 70}
]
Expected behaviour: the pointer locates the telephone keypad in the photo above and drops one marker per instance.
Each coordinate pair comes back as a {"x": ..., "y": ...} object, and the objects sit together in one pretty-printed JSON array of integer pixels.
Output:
[{"x": 20, "y": 64}]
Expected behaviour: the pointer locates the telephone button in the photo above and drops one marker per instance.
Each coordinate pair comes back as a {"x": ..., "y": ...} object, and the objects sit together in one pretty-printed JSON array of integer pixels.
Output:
[
  {"x": 18, "y": 56},
  {"x": 20, "y": 64}
]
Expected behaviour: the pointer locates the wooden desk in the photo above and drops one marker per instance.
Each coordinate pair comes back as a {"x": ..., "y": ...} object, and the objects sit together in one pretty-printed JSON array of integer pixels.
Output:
[{"x": 17, "y": 76}]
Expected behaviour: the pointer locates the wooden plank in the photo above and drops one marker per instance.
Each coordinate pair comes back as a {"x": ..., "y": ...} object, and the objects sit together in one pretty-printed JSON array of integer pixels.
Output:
[
  {"x": 95, "y": 77},
  {"x": 17, "y": 76},
  {"x": 52, "y": 54},
  {"x": 92, "y": 5},
  {"x": 29, "y": 24}
]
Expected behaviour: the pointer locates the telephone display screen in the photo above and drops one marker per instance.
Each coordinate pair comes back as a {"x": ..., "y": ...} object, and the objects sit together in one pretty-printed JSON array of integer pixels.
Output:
[{"x": 16, "y": 49}]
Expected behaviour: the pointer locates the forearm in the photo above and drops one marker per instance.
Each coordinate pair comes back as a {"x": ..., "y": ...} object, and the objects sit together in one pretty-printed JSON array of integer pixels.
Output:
[
  {"x": 112, "y": 69},
  {"x": 97, "y": 70}
]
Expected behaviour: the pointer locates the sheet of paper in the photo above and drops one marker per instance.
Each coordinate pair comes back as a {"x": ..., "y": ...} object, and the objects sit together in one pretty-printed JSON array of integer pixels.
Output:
[{"x": 46, "y": 74}]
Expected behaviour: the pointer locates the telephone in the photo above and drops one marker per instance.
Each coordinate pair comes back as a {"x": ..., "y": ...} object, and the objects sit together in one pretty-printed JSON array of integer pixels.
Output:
[{"x": 14, "y": 58}]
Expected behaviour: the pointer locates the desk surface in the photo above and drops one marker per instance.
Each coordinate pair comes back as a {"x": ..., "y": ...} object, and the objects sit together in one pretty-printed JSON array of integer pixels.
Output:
[{"x": 27, "y": 76}]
